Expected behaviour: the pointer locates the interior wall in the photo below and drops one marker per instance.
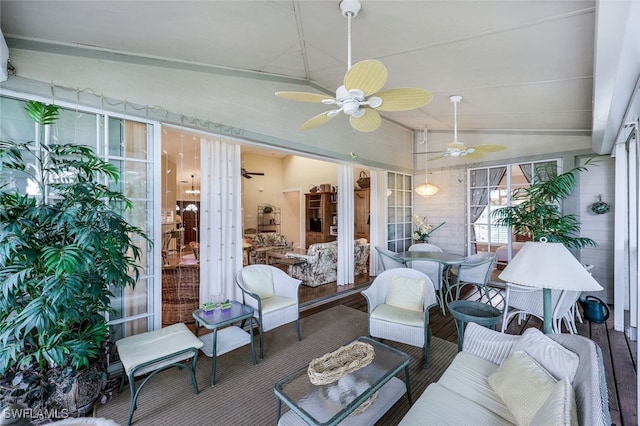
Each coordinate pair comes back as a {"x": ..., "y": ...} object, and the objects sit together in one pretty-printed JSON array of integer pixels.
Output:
[
  {"x": 265, "y": 189},
  {"x": 447, "y": 205}
]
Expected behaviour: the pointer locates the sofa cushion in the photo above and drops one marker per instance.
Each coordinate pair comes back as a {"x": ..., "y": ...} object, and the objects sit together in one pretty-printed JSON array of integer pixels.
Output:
[
  {"x": 523, "y": 385},
  {"x": 552, "y": 356},
  {"x": 439, "y": 405},
  {"x": 406, "y": 293},
  {"x": 467, "y": 375},
  {"x": 258, "y": 281},
  {"x": 559, "y": 408}
]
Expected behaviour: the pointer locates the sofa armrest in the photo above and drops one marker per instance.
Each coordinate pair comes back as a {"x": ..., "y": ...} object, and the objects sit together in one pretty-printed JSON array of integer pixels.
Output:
[
  {"x": 590, "y": 386},
  {"x": 305, "y": 257},
  {"x": 487, "y": 344}
]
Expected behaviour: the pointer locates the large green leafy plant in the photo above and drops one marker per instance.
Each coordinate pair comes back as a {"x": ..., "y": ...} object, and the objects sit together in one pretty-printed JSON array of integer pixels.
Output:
[
  {"x": 63, "y": 247},
  {"x": 536, "y": 213}
]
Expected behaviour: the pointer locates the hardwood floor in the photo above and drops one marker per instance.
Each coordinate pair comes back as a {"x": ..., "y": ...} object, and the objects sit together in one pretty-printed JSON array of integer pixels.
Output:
[{"x": 619, "y": 354}]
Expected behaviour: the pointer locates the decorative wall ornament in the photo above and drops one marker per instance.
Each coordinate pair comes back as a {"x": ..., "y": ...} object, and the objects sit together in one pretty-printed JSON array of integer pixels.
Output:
[{"x": 600, "y": 207}]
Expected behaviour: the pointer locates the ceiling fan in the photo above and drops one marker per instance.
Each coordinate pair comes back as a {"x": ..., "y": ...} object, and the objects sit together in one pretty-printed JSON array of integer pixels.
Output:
[
  {"x": 358, "y": 97},
  {"x": 459, "y": 149},
  {"x": 249, "y": 175}
]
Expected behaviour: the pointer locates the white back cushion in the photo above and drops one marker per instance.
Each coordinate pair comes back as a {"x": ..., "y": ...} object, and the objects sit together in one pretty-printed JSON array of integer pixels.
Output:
[
  {"x": 406, "y": 293},
  {"x": 258, "y": 281}
]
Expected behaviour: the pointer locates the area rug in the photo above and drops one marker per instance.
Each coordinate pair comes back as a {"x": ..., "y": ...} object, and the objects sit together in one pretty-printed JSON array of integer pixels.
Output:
[{"x": 243, "y": 393}]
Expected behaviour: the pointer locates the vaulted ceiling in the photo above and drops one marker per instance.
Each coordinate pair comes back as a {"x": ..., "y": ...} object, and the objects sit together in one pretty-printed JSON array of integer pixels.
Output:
[{"x": 521, "y": 66}]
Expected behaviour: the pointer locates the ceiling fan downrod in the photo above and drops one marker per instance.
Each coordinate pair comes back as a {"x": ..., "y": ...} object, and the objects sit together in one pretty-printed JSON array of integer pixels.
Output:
[{"x": 350, "y": 9}]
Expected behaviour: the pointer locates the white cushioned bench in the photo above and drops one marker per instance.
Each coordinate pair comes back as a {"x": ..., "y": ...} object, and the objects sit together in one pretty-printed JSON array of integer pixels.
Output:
[{"x": 155, "y": 351}]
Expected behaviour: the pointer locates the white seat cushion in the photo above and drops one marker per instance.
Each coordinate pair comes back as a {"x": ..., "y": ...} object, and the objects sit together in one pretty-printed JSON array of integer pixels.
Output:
[
  {"x": 276, "y": 303},
  {"x": 152, "y": 345},
  {"x": 397, "y": 315},
  {"x": 467, "y": 376},
  {"x": 440, "y": 406}
]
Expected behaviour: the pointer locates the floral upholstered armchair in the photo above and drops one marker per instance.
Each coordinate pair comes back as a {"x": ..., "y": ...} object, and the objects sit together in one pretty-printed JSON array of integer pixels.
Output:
[
  {"x": 321, "y": 262},
  {"x": 263, "y": 242}
]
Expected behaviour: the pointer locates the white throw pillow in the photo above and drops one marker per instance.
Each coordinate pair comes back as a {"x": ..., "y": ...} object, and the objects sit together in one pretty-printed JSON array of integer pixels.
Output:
[
  {"x": 258, "y": 281},
  {"x": 560, "y": 408},
  {"x": 523, "y": 386},
  {"x": 406, "y": 293},
  {"x": 551, "y": 355}
]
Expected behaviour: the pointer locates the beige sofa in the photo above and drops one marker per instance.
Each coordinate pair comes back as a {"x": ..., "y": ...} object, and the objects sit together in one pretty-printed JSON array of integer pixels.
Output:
[
  {"x": 465, "y": 394},
  {"x": 321, "y": 262}
]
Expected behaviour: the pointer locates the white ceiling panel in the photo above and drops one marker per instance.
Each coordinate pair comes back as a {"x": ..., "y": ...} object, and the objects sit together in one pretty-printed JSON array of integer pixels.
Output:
[{"x": 519, "y": 65}]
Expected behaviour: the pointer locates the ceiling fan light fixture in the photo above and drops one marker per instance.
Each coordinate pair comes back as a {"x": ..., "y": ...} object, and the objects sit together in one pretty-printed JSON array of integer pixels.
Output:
[
  {"x": 359, "y": 97},
  {"x": 427, "y": 189}
]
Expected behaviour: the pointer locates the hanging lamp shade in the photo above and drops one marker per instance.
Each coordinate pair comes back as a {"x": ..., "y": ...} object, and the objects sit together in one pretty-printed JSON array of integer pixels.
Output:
[{"x": 427, "y": 189}]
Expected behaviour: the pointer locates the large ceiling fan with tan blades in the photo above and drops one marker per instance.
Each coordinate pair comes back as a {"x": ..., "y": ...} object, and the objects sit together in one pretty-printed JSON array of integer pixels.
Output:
[
  {"x": 459, "y": 149},
  {"x": 358, "y": 97}
]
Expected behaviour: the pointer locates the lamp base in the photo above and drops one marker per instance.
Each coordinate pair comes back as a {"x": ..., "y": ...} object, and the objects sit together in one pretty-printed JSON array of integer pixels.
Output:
[{"x": 547, "y": 327}]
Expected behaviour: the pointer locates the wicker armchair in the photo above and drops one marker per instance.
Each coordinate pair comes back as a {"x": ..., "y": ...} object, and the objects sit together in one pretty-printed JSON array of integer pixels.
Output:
[
  {"x": 180, "y": 293},
  {"x": 390, "y": 322},
  {"x": 278, "y": 305}
]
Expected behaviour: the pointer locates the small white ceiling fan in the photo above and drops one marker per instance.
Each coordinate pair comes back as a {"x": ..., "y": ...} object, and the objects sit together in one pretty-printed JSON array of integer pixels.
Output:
[
  {"x": 358, "y": 97},
  {"x": 459, "y": 149}
]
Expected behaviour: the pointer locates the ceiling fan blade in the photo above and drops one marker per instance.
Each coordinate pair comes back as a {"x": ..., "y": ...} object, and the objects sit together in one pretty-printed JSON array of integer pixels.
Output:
[
  {"x": 368, "y": 76},
  {"x": 428, "y": 152},
  {"x": 316, "y": 121},
  {"x": 247, "y": 176},
  {"x": 474, "y": 156},
  {"x": 489, "y": 148},
  {"x": 303, "y": 96},
  {"x": 256, "y": 173},
  {"x": 369, "y": 122},
  {"x": 436, "y": 158},
  {"x": 403, "y": 99}
]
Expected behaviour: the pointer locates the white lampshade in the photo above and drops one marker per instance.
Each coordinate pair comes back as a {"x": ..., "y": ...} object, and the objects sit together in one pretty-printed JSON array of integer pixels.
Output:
[
  {"x": 427, "y": 189},
  {"x": 548, "y": 265}
]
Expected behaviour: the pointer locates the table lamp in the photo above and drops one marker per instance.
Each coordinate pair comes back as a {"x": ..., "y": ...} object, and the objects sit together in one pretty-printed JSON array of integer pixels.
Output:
[{"x": 549, "y": 266}]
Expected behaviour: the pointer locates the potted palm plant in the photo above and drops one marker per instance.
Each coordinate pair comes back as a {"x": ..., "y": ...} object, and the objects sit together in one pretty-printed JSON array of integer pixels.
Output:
[
  {"x": 64, "y": 246},
  {"x": 536, "y": 213}
]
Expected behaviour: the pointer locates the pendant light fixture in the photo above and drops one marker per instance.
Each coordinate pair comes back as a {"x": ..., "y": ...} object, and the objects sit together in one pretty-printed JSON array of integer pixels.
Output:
[
  {"x": 192, "y": 191},
  {"x": 426, "y": 189}
]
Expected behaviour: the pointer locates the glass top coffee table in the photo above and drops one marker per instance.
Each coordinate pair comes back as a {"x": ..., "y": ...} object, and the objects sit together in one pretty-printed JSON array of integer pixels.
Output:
[{"x": 373, "y": 386}]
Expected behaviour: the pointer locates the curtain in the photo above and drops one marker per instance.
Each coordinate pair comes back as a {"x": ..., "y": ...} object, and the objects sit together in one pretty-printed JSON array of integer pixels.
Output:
[
  {"x": 377, "y": 226},
  {"x": 544, "y": 171},
  {"x": 220, "y": 219},
  {"x": 480, "y": 197},
  {"x": 526, "y": 171},
  {"x": 346, "y": 219}
]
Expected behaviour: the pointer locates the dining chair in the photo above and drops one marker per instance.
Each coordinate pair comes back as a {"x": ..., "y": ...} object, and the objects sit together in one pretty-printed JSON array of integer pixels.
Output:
[
  {"x": 389, "y": 259},
  {"x": 524, "y": 300},
  {"x": 431, "y": 268},
  {"x": 475, "y": 269},
  {"x": 424, "y": 247},
  {"x": 398, "y": 303},
  {"x": 272, "y": 294}
]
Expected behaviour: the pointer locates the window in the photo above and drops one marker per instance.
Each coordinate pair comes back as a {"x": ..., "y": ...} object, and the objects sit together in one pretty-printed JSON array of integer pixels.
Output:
[
  {"x": 399, "y": 208},
  {"x": 489, "y": 189},
  {"x": 126, "y": 144}
]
